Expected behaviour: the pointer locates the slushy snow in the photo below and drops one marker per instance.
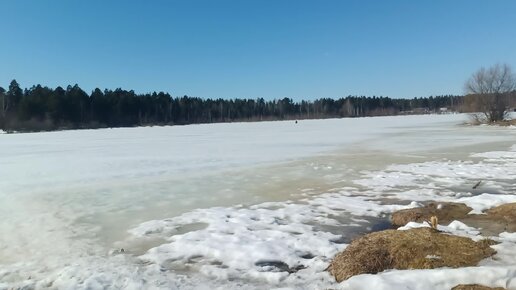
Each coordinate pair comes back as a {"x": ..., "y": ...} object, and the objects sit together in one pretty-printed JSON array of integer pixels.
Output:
[{"x": 172, "y": 199}]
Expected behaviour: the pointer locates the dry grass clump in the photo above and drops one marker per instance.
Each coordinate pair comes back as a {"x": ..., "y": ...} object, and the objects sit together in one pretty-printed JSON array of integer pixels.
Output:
[
  {"x": 434, "y": 222},
  {"x": 511, "y": 122},
  {"x": 445, "y": 212},
  {"x": 423, "y": 248},
  {"x": 475, "y": 287},
  {"x": 506, "y": 211},
  {"x": 496, "y": 220}
]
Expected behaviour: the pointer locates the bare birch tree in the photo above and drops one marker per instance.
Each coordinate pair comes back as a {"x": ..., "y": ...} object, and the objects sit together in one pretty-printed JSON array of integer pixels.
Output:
[{"x": 489, "y": 92}]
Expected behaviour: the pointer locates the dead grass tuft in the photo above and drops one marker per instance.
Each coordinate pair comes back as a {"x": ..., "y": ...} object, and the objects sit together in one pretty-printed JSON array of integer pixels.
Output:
[
  {"x": 511, "y": 122},
  {"x": 423, "y": 248},
  {"x": 445, "y": 213},
  {"x": 493, "y": 222},
  {"x": 475, "y": 287},
  {"x": 434, "y": 222},
  {"x": 505, "y": 211}
]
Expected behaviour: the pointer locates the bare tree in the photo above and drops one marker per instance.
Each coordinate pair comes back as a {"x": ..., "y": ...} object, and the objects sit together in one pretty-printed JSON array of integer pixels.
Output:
[{"x": 489, "y": 91}]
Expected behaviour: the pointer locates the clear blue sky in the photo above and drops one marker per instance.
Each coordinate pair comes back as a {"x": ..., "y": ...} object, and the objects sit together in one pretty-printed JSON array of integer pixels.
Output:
[{"x": 260, "y": 48}]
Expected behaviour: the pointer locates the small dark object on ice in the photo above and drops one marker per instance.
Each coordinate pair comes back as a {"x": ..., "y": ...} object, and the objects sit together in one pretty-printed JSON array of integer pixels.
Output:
[
  {"x": 477, "y": 184},
  {"x": 280, "y": 266}
]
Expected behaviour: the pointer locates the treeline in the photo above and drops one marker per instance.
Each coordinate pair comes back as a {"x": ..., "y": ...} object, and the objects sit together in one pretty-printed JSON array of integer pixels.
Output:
[{"x": 41, "y": 108}]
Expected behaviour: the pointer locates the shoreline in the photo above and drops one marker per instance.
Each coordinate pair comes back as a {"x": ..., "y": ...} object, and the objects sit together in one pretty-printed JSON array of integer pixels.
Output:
[{"x": 4, "y": 131}]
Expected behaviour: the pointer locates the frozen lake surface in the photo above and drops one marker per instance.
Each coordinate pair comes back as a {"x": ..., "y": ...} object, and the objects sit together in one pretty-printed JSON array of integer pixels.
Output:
[{"x": 253, "y": 205}]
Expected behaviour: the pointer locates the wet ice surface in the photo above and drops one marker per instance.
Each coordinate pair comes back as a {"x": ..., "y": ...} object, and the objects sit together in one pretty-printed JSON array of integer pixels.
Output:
[{"x": 256, "y": 205}]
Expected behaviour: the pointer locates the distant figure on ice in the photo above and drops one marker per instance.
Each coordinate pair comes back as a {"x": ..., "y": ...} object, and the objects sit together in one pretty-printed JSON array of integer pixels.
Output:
[{"x": 296, "y": 121}]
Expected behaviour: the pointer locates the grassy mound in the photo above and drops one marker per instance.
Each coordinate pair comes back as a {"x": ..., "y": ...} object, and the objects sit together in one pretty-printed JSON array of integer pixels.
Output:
[
  {"x": 496, "y": 220},
  {"x": 445, "y": 212},
  {"x": 475, "y": 287},
  {"x": 422, "y": 248},
  {"x": 505, "y": 211}
]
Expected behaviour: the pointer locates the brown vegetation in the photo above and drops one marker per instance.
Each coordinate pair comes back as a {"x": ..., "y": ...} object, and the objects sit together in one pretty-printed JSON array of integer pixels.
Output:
[
  {"x": 505, "y": 211},
  {"x": 422, "y": 248},
  {"x": 507, "y": 123},
  {"x": 496, "y": 220},
  {"x": 475, "y": 287},
  {"x": 445, "y": 213}
]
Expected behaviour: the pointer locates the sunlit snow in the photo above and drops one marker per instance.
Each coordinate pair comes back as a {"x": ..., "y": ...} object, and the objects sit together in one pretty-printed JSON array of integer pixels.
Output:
[{"x": 242, "y": 205}]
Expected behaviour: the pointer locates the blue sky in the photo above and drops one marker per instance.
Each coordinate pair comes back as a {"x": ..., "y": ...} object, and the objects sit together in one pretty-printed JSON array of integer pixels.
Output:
[{"x": 261, "y": 48}]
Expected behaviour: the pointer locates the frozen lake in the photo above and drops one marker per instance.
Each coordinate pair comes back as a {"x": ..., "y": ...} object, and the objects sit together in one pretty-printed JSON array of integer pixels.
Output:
[{"x": 220, "y": 199}]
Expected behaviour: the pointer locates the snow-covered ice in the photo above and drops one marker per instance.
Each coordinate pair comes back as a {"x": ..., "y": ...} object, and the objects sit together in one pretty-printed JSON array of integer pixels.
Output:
[{"x": 243, "y": 205}]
